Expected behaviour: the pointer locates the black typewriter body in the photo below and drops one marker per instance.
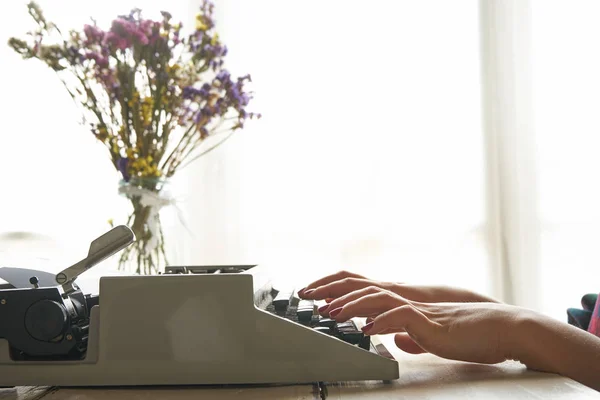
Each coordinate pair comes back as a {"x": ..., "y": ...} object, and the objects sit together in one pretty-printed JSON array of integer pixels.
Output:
[{"x": 40, "y": 324}]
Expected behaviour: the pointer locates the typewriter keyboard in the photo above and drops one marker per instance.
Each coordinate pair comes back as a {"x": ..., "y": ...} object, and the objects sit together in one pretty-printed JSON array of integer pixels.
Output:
[{"x": 285, "y": 304}]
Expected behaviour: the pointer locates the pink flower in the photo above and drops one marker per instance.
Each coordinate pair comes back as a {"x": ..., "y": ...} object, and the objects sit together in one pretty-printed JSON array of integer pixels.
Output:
[
  {"x": 101, "y": 61},
  {"x": 147, "y": 26},
  {"x": 130, "y": 31},
  {"x": 117, "y": 41},
  {"x": 93, "y": 34}
]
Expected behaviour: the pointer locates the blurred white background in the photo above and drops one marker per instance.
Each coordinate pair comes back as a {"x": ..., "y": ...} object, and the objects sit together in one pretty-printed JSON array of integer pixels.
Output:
[
  {"x": 422, "y": 141},
  {"x": 566, "y": 91}
]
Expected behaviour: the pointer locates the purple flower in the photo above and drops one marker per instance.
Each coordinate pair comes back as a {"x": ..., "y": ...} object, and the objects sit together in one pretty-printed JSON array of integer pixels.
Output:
[
  {"x": 176, "y": 39},
  {"x": 133, "y": 15},
  {"x": 122, "y": 166},
  {"x": 223, "y": 76},
  {"x": 75, "y": 54},
  {"x": 190, "y": 92}
]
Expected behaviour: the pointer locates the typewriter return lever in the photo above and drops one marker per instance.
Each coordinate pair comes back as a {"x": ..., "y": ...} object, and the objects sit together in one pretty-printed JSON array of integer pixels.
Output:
[{"x": 101, "y": 248}]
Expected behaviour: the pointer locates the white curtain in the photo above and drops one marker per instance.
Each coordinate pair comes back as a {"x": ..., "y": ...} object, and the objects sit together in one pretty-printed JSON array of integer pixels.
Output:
[
  {"x": 566, "y": 88},
  {"x": 510, "y": 150}
]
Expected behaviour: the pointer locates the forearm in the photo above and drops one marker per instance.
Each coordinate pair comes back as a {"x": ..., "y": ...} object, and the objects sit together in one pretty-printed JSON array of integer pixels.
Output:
[{"x": 544, "y": 344}]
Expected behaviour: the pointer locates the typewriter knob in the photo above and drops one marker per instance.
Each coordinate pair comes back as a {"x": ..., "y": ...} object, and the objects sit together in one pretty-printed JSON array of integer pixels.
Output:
[
  {"x": 34, "y": 281},
  {"x": 46, "y": 320}
]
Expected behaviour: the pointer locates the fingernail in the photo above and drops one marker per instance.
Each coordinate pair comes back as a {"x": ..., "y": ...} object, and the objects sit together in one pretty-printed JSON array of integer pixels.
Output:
[
  {"x": 367, "y": 326},
  {"x": 335, "y": 312},
  {"x": 309, "y": 291},
  {"x": 324, "y": 308},
  {"x": 301, "y": 290}
]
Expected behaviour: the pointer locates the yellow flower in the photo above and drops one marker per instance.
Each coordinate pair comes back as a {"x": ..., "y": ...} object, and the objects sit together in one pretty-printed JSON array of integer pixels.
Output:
[
  {"x": 164, "y": 98},
  {"x": 147, "y": 110},
  {"x": 120, "y": 133},
  {"x": 102, "y": 133},
  {"x": 172, "y": 68},
  {"x": 134, "y": 100},
  {"x": 200, "y": 25},
  {"x": 145, "y": 167},
  {"x": 215, "y": 39},
  {"x": 156, "y": 172}
]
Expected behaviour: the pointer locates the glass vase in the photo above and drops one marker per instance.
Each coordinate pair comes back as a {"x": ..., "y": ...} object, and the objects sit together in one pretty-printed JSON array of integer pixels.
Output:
[{"x": 147, "y": 197}]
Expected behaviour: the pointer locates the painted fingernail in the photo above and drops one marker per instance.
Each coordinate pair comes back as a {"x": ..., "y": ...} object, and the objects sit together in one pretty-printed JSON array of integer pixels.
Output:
[
  {"x": 367, "y": 327},
  {"x": 324, "y": 308},
  {"x": 309, "y": 291},
  {"x": 335, "y": 312}
]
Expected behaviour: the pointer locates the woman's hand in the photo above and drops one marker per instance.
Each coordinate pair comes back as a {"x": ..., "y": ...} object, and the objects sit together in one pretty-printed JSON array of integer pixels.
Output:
[
  {"x": 460, "y": 325},
  {"x": 487, "y": 333},
  {"x": 343, "y": 282},
  {"x": 475, "y": 332}
]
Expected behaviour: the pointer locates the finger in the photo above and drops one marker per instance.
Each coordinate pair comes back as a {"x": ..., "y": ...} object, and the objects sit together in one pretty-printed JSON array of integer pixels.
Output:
[
  {"x": 328, "y": 279},
  {"x": 343, "y": 300},
  {"x": 339, "y": 288},
  {"x": 409, "y": 319},
  {"x": 386, "y": 331},
  {"x": 368, "y": 306},
  {"x": 406, "y": 344}
]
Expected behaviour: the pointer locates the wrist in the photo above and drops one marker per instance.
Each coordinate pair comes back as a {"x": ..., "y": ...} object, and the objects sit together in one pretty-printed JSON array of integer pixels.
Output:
[
  {"x": 535, "y": 339},
  {"x": 548, "y": 345},
  {"x": 520, "y": 328}
]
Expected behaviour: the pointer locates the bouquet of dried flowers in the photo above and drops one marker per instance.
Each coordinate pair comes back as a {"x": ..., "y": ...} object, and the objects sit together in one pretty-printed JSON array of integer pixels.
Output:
[{"x": 152, "y": 96}]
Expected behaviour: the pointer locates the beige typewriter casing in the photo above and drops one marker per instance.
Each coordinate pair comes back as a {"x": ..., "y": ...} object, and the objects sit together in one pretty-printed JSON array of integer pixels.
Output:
[{"x": 196, "y": 329}]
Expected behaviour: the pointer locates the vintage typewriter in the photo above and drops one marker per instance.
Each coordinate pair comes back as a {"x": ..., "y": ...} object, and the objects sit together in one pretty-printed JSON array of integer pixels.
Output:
[{"x": 191, "y": 325}]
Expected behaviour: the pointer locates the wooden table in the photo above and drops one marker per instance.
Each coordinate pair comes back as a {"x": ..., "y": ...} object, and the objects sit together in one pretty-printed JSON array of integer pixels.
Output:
[{"x": 421, "y": 377}]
